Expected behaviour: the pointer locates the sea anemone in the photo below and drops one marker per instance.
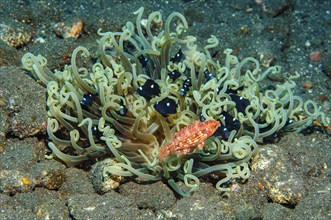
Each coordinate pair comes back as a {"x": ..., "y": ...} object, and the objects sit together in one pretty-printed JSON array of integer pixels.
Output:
[{"x": 149, "y": 83}]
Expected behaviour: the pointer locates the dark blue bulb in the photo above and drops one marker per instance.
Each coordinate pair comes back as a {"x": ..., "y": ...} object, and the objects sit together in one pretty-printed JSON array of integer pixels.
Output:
[
  {"x": 202, "y": 118},
  {"x": 178, "y": 57},
  {"x": 208, "y": 75},
  {"x": 96, "y": 133},
  {"x": 186, "y": 87},
  {"x": 182, "y": 91},
  {"x": 123, "y": 110},
  {"x": 225, "y": 132},
  {"x": 230, "y": 124},
  {"x": 143, "y": 60},
  {"x": 233, "y": 91},
  {"x": 289, "y": 122},
  {"x": 87, "y": 99},
  {"x": 149, "y": 89},
  {"x": 241, "y": 103},
  {"x": 174, "y": 74},
  {"x": 187, "y": 83},
  {"x": 166, "y": 107}
]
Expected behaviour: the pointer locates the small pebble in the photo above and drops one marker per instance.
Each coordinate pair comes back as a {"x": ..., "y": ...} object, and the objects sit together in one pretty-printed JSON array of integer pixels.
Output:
[
  {"x": 315, "y": 56},
  {"x": 307, "y": 85},
  {"x": 13, "y": 181}
]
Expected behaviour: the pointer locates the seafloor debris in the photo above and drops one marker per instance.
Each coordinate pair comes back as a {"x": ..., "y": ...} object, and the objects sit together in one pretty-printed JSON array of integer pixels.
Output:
[
  {"x": 15, "y": 37},
  {"x": 64, "y": 30}
]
